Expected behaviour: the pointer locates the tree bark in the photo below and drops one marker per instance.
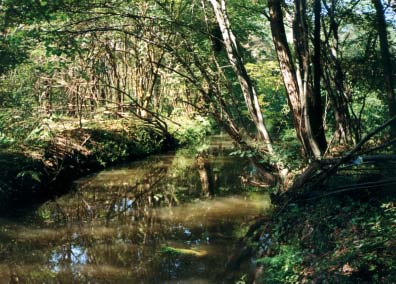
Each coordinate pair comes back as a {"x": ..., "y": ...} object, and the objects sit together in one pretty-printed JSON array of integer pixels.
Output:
[
  {"x": 333, "y": 77},
  {"x": 244, "y": 80},
  {"x": 317, "y": 108},
  {"x": 286, "y": 65},
  {"x": 386, "y": 64},
  {"x": 310, "y": 97},
  {"x": 305, "y": 106},
  {"x": 316, "y": 57}
]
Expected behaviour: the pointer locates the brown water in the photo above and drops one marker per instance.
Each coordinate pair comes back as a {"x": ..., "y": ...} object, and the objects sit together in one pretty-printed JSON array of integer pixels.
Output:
[{"x": 172, "y": 218}]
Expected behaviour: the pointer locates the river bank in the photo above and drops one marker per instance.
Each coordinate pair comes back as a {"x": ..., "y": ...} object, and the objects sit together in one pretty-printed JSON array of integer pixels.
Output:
[
  {"x": 341, "y": 239},
  {"x": 45, "y": 166},
  {"x": 331, "y": 236}
]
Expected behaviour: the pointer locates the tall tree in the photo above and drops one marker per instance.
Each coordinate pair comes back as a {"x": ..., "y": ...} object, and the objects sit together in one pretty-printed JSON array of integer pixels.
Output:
[
  {"x": 317, "y": 46},
  {"x": 235, "y": 59},
  {"x": 305, "y": 106},
  {"x": 386, "y": 63},
  {"x": 309, "y": 99},
  {"x": 334, "y": 77}
]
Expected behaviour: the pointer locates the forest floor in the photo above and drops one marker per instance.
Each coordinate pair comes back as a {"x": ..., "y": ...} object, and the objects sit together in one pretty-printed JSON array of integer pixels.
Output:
[
  {"x": 46, "y": 163},
  {"x": 340, "y": 238}
]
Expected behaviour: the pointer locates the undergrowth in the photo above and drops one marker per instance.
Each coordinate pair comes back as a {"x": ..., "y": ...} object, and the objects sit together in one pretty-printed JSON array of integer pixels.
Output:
[{"x": 341, "y": 239}]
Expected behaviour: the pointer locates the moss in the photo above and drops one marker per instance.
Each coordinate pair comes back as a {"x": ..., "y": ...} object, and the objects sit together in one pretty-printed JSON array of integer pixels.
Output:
[{"x": 181, "y": 251}]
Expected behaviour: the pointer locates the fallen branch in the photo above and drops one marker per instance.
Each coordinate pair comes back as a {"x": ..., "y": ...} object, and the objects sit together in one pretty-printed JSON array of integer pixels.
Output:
[
  {"x": 380, "y": 147},
  {"x": 360, "y": 186},
  {"x": 333, "y": 169},
  {"x": 330, "y": 167},
  {"x": 364, "y": 159},
  {"x": 349, "y": 156},
  {"x": 305, "y": 176}
]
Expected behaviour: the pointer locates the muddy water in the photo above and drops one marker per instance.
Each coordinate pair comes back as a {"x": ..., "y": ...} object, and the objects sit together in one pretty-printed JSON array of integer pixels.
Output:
[{"x": 172, "y": 218}]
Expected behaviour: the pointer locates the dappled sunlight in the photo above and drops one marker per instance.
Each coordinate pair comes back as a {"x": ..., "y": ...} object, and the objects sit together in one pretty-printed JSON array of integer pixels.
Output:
[
  {"x": 104, "y": 271},
  {"x": 213, "y": 210},
  {"x": 148, "y": 221}
]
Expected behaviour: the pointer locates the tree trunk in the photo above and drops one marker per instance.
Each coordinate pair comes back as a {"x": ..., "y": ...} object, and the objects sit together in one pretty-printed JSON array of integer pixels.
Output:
[
  {"x": 334, "y": 79},
  {"x": 386, "y": 64},
  {"x": 310, "y": 97},
  {"x": 235, "y": 60},
  {"x": 307, "y": 122},
  {"x": 317, "y": 108}
]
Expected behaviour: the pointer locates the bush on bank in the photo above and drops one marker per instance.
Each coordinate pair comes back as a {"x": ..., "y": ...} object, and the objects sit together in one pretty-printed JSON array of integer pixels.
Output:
[{"x": 340, "y": 239}]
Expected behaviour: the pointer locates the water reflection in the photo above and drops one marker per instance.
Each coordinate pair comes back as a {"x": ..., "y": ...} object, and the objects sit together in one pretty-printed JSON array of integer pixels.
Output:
[
  {"x": 157, "y": 221},
  {"x": 69, "y": 254}
]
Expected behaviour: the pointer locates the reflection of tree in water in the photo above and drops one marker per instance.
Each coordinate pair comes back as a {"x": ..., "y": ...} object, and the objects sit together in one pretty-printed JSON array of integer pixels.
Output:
[
  {"x": 112, "y": 229},
  {"x": 205, "y": 173},
  {"x": 123, "y": 227}
]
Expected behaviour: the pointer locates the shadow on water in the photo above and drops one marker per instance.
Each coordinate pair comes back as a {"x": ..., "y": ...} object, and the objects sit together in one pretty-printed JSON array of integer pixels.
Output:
[{"x": 162, "y": 220}]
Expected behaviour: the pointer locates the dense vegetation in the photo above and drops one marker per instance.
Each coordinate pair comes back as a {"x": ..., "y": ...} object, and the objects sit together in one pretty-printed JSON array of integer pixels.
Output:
[{"x": 298, "y": 85}]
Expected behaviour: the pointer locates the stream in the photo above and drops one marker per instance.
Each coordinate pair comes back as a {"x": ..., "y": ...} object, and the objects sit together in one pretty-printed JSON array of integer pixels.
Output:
[{"x": 171, "y": 218}]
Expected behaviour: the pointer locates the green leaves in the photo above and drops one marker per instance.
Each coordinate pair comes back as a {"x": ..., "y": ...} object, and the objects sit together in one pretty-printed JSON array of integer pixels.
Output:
[
  {"x": 30, "y": 174},
  {"x": 5, "y": 141},
  {"x": 282, "y": 267},
  {"x": 12, "y": 51},
  {"x": 243, "y": 153}
]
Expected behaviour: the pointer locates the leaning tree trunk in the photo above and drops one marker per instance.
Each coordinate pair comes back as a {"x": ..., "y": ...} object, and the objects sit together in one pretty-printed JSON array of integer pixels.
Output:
[
  {"x": 236, "y": 62},
  {"x": 386, "y": 64}
]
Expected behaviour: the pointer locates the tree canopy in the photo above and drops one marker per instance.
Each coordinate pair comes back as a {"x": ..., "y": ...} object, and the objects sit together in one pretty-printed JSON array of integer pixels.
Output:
[{"x": 326, "y": 66}]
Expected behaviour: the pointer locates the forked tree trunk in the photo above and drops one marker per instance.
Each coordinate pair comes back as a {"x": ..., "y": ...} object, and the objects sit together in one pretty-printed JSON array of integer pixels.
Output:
[
  {"x": 244, "y": 80},
  {"x": 305, "y": 106}
]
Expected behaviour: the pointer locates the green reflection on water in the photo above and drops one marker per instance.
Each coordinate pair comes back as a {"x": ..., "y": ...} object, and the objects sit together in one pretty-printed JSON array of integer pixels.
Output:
[{"x": 114, "y": 225}]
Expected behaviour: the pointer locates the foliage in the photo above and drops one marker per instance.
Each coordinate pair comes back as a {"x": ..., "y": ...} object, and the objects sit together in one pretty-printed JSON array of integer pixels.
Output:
[
  {"x": 242, "y": 280},
  {"x": 5, "y": 141},
  {"x": 91, "y": 66},
  {"x": 370, "y": 108},
  {"x": 270, "y": 86},
  {"x": 337, "y": 239},
  {"x": 282, "y": 268},
  {"x": 12, "y": 52},
  {"x": 193, "y": 131},
  {"x": 107, "y": 148}
]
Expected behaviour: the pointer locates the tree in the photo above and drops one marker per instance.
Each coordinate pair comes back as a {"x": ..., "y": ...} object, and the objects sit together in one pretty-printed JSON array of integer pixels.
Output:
[
  {"x": 334, "y": 78},
  {"x": 235, "y": 59},
  {"x": 386, "y": 64},
  {"x": 305, "y": 106}
]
